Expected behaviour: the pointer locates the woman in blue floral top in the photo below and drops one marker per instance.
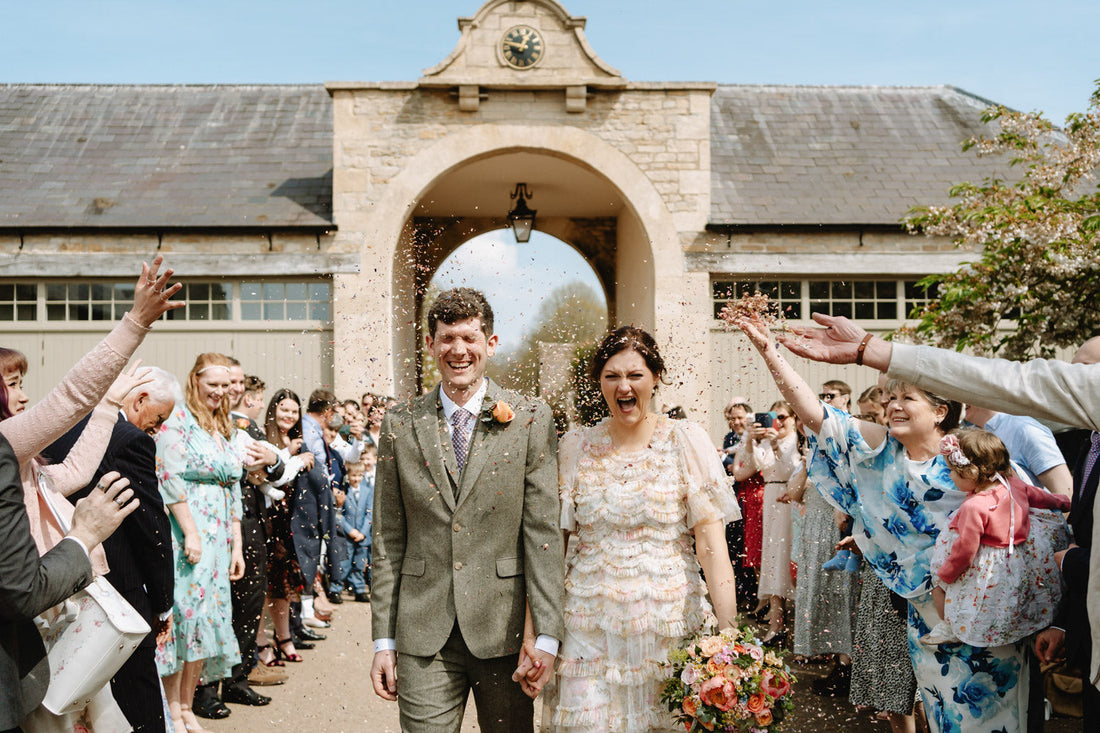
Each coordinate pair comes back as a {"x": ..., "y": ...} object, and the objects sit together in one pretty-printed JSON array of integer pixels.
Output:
[
  {"x": 199, "y": 465},
  {"x": 894, "y": 484}
]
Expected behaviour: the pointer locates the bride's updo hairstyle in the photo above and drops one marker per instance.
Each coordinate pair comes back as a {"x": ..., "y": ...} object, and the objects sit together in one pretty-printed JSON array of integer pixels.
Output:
[{"x": 621, "y": 339}]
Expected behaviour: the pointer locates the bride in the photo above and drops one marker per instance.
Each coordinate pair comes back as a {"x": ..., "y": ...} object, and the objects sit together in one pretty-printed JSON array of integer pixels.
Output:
[{"x": 636, "y": 489}]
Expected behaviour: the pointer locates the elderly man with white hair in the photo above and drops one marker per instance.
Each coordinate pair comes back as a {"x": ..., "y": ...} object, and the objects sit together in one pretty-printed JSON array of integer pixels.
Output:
[{"x": 140, "y": 551}]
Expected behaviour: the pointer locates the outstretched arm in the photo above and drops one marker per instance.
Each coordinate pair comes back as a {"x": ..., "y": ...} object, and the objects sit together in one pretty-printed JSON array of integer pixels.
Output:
[
  {"x": 837, "y": 343},
  {"x": 801, "y": 397}
]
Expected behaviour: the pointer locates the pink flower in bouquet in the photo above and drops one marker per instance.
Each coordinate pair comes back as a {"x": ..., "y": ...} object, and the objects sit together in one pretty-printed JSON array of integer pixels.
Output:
[
  {"x": 733, "y": 673},
  {"x": 773, "y": 685},
  {"x": 691, "y": 675},
  {"x": 754, "y": 651},
  {"x": 719, "y": 692},
  {"x": 711, "y": 645},
  {"x": 764, "y": 717},
  {"x": 719, "y": 661}
]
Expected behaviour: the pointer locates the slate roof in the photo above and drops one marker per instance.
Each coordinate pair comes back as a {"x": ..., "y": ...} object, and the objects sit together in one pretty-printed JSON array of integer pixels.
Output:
[
  {"x": 148, "y": 156},
  {"x": 783, "y": 155},
  {"x": 91, "y": 156}
]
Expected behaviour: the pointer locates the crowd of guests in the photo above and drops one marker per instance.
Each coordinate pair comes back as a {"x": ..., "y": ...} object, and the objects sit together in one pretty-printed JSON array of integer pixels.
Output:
[
  {"x": 249, "y": 515},
  {"x": 926, "y": 558},
  {"x": 800, "y": 567},
  {"x": 930, "y": 543}
]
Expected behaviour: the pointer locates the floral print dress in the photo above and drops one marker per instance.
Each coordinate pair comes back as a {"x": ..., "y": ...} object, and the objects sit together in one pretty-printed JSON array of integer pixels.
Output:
[
  {"x": 204, "y": 470},
  {"x": 632, "y": 587},
  {"x": 898, "y": 507}
]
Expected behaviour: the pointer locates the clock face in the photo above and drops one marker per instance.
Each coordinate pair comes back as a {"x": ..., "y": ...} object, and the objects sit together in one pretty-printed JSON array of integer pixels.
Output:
[{"x": 521, "y": 47}]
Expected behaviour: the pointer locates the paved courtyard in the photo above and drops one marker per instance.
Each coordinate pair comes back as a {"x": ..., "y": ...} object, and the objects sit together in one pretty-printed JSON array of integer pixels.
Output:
[{"x": 330, "y": 692}]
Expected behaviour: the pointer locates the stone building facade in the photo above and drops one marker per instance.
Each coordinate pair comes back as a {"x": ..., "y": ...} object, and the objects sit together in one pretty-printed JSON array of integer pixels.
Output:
[{"x": 307, "y": 221}]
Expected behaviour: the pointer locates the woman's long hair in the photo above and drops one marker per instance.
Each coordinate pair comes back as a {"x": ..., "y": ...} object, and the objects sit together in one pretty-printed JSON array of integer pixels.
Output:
[
  {"x": 218, "y": 420},
  {"x": 270, "y": 426},
  {"x": 10, "y": 361}
]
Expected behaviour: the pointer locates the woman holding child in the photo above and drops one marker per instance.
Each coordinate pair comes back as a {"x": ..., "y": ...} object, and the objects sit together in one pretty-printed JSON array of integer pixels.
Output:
[
  {"x": 636, "y": 489},
  {"x": 895, "y": 484}
]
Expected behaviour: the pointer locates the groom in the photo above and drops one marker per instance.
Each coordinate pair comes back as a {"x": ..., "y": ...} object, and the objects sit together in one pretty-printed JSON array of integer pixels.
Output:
[{"x": 465, "y": 537}]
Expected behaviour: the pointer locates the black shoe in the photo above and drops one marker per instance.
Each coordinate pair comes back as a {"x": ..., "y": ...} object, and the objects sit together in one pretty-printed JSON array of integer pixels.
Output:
[
  {"x": 244, "y": 695},
  {"x": 838, "y": 683},
  {"x": 778, "y": 640},
  {"x": 362, "y": 597},
  {"x": 335, "y": 599},
  {"x": 302, "y": 644},
  {"x": 310, "y": 635},
  {"x": 207, "y": 705}
]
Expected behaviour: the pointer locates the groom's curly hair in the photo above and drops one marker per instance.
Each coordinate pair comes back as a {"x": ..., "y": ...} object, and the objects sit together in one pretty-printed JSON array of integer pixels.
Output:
[{"x": 458, "y": 304}]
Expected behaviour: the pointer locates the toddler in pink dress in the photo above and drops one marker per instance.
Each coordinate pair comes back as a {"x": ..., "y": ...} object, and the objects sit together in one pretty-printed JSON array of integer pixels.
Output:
[{"x": 994, "y": 586}]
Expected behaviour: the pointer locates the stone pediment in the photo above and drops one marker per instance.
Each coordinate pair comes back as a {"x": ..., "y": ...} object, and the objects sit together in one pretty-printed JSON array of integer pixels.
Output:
[{"x": 522, "y": 44}]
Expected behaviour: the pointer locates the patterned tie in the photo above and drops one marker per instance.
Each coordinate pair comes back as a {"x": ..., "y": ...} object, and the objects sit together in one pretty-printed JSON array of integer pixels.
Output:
[
  {"x": 1090, "y": 459},
  {"x": 460, "y": 437}
]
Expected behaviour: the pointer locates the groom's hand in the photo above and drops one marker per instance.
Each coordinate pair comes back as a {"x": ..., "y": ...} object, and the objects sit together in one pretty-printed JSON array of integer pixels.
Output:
[
  {"x": 383, "y": 675},
  {"x": 535, "y": 669}
]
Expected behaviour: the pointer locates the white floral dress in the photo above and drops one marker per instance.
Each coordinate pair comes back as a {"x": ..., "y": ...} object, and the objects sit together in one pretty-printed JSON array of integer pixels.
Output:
[{"x": 632, "y": 585}]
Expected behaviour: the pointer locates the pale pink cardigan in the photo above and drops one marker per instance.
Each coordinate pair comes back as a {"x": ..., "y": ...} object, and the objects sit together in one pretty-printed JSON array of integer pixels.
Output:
[{"x": 32, "y": 430}]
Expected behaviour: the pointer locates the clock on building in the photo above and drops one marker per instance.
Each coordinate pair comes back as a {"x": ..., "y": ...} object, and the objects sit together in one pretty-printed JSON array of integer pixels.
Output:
[{"x": 521, "y": 47}]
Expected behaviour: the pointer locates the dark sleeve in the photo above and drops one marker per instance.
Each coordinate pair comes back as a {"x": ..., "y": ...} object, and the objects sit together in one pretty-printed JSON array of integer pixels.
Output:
[
  {"x": 30, "y": 584},
  {"x": 147, "y": 528}
]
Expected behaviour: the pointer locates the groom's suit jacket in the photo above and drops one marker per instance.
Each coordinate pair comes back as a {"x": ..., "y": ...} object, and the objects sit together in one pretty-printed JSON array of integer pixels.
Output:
[{"x": 477, "y": 558}]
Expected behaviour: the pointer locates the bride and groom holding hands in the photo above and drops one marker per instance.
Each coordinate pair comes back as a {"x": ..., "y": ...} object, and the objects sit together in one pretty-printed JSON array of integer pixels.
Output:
[{"x": 469, "y": 589}]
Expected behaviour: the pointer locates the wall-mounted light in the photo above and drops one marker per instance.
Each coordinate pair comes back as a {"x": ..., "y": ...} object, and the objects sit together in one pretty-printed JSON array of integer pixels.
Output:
[{"x": 522, "y": 218}]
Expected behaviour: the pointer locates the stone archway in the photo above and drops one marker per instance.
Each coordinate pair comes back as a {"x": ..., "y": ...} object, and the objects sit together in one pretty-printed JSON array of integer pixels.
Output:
[{"x": 645, "y": 239}]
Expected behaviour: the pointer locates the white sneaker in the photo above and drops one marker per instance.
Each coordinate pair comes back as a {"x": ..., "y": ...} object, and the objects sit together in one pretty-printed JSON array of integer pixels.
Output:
[
  {"x": 314, "y": 622},
  {"x": 941, "y": 633}
]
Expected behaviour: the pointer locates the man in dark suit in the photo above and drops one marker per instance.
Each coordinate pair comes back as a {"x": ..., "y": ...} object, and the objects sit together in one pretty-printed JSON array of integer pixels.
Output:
[
  {"x": 30, "y": 584},
  {"x": 140, "y": 554}
]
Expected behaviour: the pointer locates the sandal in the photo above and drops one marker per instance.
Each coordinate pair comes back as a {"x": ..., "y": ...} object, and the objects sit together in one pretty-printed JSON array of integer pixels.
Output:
[
  {"x": 282, "y": 654},
  {"x": 275, "y": 661}
]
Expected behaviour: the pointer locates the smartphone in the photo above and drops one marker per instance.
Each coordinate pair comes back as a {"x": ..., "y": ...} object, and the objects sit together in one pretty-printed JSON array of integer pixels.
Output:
[{"x": 764, "y": 419}]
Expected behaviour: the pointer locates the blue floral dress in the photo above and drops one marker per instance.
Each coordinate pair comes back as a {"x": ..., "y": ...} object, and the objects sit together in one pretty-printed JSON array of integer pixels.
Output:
[
  {"x": 898, "y": 507},
  {"x": 204, "y": 470}
]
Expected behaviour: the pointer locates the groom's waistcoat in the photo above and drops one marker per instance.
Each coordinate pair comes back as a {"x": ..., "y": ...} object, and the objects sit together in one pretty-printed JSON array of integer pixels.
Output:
[{"x": 473, "y": 546}]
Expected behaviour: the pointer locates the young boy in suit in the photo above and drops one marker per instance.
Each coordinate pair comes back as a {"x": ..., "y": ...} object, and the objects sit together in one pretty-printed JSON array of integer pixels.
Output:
[{"x": 355, "y": 526}]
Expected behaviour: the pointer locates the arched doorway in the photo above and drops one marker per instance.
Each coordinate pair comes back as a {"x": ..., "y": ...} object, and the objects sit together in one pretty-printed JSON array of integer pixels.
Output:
[
  {"x": 575, "y": 203},
  {"x": 544, "y": 295}
]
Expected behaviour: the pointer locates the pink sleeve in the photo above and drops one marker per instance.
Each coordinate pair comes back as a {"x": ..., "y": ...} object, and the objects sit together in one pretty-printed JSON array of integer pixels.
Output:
[
  {"x": 969, "y": 522},
  {"x": 1041, "y": 498},
  {"x": 83, "y": 387},
  {"x": 80, "y": 465}
]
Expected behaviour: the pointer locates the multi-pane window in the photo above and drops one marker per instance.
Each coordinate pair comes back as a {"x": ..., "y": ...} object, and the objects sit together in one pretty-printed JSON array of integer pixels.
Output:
[
  {"x": 205, "y": 302},
  {"x": 87, "y": 301},
  {"x": 286, "y": 301},
  {"x": 862, "y": 300},
  {"x": 917, "y": 296},
  {"x": 787, "y": 294},
  {"x": 18, "y": 301}
]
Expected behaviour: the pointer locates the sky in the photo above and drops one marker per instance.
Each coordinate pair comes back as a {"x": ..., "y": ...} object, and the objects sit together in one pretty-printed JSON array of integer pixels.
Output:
[{"x": 1026, "y": 55}]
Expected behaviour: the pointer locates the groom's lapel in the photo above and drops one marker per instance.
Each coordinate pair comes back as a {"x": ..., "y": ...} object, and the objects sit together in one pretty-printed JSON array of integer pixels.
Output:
[
  {"x": 481, "y": 445},
  {"x": 435, "y": 445}
]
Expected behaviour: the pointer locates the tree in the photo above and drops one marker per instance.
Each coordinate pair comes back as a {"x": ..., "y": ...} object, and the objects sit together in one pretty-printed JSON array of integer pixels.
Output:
[
  {"x": 571, "y": 313},
  {"x": 1039, "y": 238}
]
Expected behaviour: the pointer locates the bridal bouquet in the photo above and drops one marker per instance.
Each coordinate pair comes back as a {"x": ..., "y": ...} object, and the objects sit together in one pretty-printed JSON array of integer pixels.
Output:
[{"x": 727, "y": 682}]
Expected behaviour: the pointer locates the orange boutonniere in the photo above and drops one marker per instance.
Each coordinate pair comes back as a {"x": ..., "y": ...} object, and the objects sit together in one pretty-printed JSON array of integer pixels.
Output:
[{"x": 500, "y": 413}]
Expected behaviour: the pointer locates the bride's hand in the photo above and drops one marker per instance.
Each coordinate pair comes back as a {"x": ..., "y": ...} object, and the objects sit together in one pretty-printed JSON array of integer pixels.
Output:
[{"x": 754, "y": 327}]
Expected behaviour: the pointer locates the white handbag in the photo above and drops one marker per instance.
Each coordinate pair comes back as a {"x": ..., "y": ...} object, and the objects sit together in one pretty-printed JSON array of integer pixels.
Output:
[{"x": 88, "y": 639}]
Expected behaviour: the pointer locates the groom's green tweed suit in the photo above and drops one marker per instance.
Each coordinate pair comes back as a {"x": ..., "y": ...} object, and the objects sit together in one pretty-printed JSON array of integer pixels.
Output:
[{"x": 472, "y": 547}]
